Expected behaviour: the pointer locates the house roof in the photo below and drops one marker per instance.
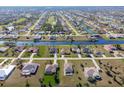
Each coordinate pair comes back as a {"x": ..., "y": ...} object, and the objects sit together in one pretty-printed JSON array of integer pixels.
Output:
[
  {"x": 51, "y": 68},
  {"x": 68, "y": 67},
  {"x": 53, "y": 50},
  {"x": 19, "y": 48},
  {"x": 30, "y": 67},
  {"x": 32, "y": 49},
  {"x": 109, "y": 47},
  {"x": 90, "y": 72},
  {"x": 4, "y": 72},
  {"x": 3, "y": 49},
  {"x": 37, "y": 37},
  {"x": 10, "y": 28}
]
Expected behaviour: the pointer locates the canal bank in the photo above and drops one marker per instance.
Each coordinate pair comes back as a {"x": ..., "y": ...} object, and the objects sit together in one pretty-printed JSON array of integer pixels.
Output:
[{"x": 54, "y": 43}]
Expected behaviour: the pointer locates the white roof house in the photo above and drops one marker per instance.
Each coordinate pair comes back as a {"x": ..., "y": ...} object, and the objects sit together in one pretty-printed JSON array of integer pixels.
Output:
[
  {"x": 3, "y": 49},
  {"x": 5, "y": 72},
  {"x": 68, "y": 69},
  {"x": 10, "y": 28}
]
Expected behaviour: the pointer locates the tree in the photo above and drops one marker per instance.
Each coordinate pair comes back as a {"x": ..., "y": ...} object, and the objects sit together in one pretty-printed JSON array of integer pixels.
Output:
[
  {"x": 57, "y": 79},
  {"x": 91, "y": 80},
  {"x": 118, "y": 47},
  {"x": 27, "y": 83},
  {"x": 86, "y": 84},
  {"x": 50, "y": 84},
  {"x": 80, "y": 85}
]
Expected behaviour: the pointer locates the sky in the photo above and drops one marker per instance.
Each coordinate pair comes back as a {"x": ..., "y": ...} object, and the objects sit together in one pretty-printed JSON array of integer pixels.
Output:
[{"x": 61, "y": 2}]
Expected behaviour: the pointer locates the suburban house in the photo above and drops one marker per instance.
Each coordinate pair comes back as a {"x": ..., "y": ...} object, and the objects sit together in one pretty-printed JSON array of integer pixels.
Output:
[
  {"x": 65, "y": 51},
  {"x": 33, "y": 50},
  {"x": 19, "y": 48},
  {"x": 118, "y": 54},
  {"x": 92, "y": 72},
  {"x": 53, "y": 50},
  {"x": 109, "y": 47},
  {"x": 10, "y": 28},
  {"x": 86, "y": 50},
  {"x": 78, "y": 51},
  {"x": 51, "y": 68},
  {"x": 74, "y": 49},
  {"x": 37, "y": 37},
  {"x": 10, "y": 36},
  {"x": 29, "y": 68},
  {"x": 68, "y": 69},
  {"x": 52, "y": 37},
  {"x": 113, "y": 36},
  {"x": 3, "y": 49},
  {"x": 98, "y": 53},
  {"x": 5, "y": 72}
]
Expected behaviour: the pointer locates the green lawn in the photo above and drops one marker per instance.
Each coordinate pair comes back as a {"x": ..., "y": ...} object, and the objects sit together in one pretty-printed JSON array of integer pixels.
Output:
[
  {"x": 43, "y": 52},
  {"x": 20, "y": 20},
  {"x": 49, "y": 79}
]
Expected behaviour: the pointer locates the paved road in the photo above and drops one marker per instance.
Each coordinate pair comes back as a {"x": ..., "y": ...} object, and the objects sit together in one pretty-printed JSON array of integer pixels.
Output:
[
  {"x": 68, "y": 23},
  {"x": 31, "y": 57},
  {"x": 3, "y": 62},
  {"x": 62, "y": 56},
  {"x": 41, "y": 16},
  {"x": 21, "y": 53},
  {"x": 94, "y": 62},
  {"x": 55, "y": 58},
  {"x": 79, "y": 55},
  {"x": 98, "y": 58},
  {"x": 17, "y": 57}
]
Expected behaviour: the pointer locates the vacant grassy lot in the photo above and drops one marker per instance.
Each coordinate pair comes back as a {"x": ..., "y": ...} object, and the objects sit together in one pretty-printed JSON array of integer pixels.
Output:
[
  {"x": 115, "y": 67},
  {"x": 51, "y": 20},
  {"x": 43, "y": 52},
  {"x": 21, "y": 20}
]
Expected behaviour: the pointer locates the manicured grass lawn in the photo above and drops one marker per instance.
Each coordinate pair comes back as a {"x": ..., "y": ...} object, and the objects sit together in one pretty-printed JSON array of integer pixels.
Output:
[
  {"x": 1, "y": 26},
  {"x": 49, "y": 80},
  {"x": 1, "y": 60},
  {"x": 6, "y": 63},
  {"x": 43, "y": 52},
  {"x": 21, "y": 20}
]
